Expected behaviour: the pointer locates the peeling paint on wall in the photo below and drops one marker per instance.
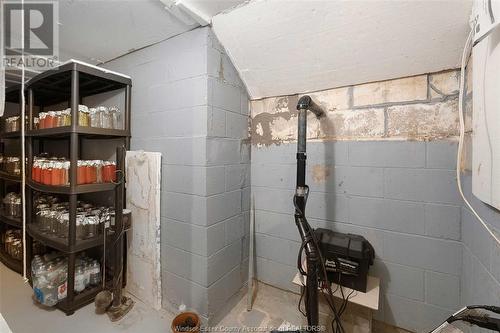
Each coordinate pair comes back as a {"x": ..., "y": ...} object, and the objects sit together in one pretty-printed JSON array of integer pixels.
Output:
[{"x": 423, "y": 107}]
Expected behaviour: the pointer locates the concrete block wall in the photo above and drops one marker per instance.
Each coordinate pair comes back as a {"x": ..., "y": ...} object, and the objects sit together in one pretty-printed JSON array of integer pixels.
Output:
[
  {"x": 383, "y": 166},
  {"x": 189, "y": 104},
  {"x": 403, "y": 204}
]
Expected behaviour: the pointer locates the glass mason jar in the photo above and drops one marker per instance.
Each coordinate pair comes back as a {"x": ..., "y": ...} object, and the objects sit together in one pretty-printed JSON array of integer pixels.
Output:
[
  {"x": 115, "y": 115},
  {"x": 79, "y": 279},
  {"x": 63, "y": 219},
  {"x": 81, "y": 228},
  {"x": 66, "y": 116},
  {"x": 50, "y": 119},
  {"x": 83, "y": 116},
  {"x": 95, "y": 119},
  {"x": 106, "y": 120}
]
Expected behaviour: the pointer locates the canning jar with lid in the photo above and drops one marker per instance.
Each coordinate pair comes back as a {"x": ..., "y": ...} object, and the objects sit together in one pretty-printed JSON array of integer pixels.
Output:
[
  {"x": 63, "y": 219},
  {"x": 83, "y": 115},
  {"x": 57, "y": 174},
  {"x": 81, "y": 229},
  {"x": 90, "y": 172},
  {"x": 50, "y": 119},
  {"x": 109, "y": 172},
  {"x": 81, "y": 174},
  {"x": 95, "y": 119},
  {"x": 106, "y": 118},
  {"x": 115, "y": 117}
]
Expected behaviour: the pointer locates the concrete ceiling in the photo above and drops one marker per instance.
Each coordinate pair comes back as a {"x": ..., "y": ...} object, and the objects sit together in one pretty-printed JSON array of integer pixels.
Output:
[{"x": 287, "y": 47}]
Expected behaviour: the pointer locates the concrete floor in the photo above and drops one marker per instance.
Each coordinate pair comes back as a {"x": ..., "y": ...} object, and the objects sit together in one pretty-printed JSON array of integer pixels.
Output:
[
  {"x": 23, "y": 315},
  {"x": 271, "y": 307}
]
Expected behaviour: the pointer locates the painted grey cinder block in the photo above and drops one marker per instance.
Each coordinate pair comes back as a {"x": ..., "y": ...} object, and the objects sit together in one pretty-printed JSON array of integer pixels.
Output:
[
  {"x": 196, "y": 180},
  {"x": 177, "y": 290},
  {"x": 224, "y": 96},
  {"x": 220, "y": 291},
  {"x": 175, "y": 123},
  {"x": 237, "y": 176},
  {"x": 387, "y": 154},
  {"x": 221, "y": 262},
  {"x": 276, "y": 274},
  {"x": 276, "y": 249},
  {"x": 387, "y": 214},
  {"x": 188, "y": 265},
  {"x": 442, "y": 290},
  {"x": 273, "y": 175},
  {"x": 276, "y": 224},
  {"x": 216, "y": 122},
  {"x": 184, "y": 207},
  {"x": 223, "y": 206},
  {"x": 419, "y": 251},
  {"x": 184, "y": 151},
  {"x": 427, "y": 185},
  {"x": 442, "y": 154},
  {"x": 475, "y": 237},
  {"x": 178, "y": 94},
  {"x": 221, "y": 151},
  {"x": 234, "y": 229},
  {"x": 414, "y": 315},
  {"x": 236, "y": 125},
  {"x": 443, "y": 221},
  {"x": 193, "y": 238},
  {"x": 400, "y": 280}
]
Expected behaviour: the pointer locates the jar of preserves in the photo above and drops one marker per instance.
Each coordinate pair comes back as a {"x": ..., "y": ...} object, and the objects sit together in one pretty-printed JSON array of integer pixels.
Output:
[
  {"x": 81, "y": 174},
  {"x": 90, "y": 172},
  {"x": 47, "y": 173},
  {"x": 66, "y": 115},
  {"x": 83, "y": 116},
  {"x": 50, "y": 119},
  {"x": 36, "y": 171},
  {"x": 109, "y": 172},
  {"x": 65, "y": 172},
  {"x": 13, "y": 166},
  {"x": 59, "y": 119},
  {"x": 98, "y": 166},
  {"x": 57, "y": 174},
  {"x": 41, "y": 120}
]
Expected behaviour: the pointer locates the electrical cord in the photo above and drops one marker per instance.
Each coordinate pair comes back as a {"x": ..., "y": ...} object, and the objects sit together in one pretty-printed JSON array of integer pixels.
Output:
[
  {"x": 325, "y": 287},
  {"x": 465, "y": 55}
]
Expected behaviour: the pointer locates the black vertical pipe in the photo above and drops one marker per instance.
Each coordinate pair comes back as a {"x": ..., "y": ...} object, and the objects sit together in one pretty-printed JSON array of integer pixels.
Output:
[{"x": 305, "y": 231}]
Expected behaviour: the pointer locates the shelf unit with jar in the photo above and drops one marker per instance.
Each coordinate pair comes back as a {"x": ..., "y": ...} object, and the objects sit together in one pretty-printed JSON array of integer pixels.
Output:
[
  {"x": 10, "y": 182},
  {"x": 67, "y": 88}
]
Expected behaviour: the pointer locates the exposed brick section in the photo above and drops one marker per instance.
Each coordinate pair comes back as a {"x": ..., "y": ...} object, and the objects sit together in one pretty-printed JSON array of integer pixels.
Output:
[{"x": 423, "y": 107}]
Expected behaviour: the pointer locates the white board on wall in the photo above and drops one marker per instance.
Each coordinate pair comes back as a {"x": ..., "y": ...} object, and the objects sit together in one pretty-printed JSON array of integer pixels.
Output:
[
  {"x": 486, "y": 119},
  {"x": 143, "y": 241}
]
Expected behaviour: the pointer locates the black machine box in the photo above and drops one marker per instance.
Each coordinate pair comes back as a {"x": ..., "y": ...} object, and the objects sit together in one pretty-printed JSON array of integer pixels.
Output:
[{"x": 347, "y": 258}]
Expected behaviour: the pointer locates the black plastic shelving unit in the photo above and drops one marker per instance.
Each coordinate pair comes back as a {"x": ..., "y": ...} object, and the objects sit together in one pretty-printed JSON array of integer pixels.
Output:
[
  {"x": 12, "y": 95},
  {"x": 70, "y": 83}
]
